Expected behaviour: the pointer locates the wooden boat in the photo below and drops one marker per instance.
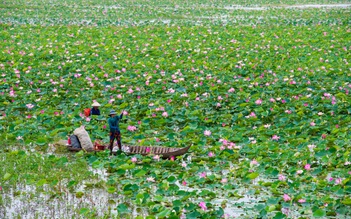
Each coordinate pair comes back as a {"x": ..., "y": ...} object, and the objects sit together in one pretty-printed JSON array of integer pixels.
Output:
[
  {"x": 70, "y": 148},
  {"x": 165, "y": 152}
]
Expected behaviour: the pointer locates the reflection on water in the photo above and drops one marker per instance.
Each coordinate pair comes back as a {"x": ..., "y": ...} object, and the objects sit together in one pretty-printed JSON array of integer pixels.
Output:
[{"x": 30, "y": 202}]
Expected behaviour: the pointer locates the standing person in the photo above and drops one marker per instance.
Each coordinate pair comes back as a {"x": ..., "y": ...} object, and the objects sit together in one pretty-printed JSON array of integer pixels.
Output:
[
  {"x": 95, "y": 110},
  {"x": 113, "y": 122}
]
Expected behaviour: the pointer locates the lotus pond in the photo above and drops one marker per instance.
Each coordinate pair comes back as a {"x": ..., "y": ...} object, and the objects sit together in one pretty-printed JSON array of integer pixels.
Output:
[{"x": 259, "y": 88}]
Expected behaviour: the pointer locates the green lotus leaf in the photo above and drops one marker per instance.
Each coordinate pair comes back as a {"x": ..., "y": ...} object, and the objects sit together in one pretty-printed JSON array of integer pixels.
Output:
[
  {"x": 253, "y": 175},
  {"x": 6, "y": 176},
  {"x": 111, "y": 190},
  {"x": 123, "y": 209},
  {"x": 41, "y": 141},
  {"x": 163, "y": 213},
  {"x": 319, "y": 213}
]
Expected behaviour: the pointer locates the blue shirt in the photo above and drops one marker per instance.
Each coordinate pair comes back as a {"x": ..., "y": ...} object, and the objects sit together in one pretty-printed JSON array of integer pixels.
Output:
[{"x": 113, "y": 122}]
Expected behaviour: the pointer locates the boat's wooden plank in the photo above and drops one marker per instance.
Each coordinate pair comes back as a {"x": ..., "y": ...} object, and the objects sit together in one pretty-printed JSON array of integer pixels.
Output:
[{"x": 166, "y": 152}]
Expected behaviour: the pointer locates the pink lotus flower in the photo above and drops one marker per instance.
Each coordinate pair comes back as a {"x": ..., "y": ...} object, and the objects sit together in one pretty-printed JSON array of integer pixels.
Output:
[
  {"x": 224, "y": 180},
  {"x": 147, "y": 150},
  {"x": 281, "y": 177},
  {"x": 134, "y": 159},
  {"x": 338, "y": 181},
  {"x": 165, "y": 114},
  {"x": 203, "y": 175},
  {"x": 131, "y": 128},
  {"x": 324, "y": 136},
  {"x": 203, "y": 206},
  {"x": 88, "y": 119},
  {"x": 258, "y": 102},
  {"x": 312, "y": 124},
  {"x": 207, "y": 132},
  {"x": 184, "y": 164},
  {"x": 156, "y": 157},
  {"x": 210, "y": 154},
  {"x": 307, "y": 166},
  {"x": 29, "y": 106},
  {"x": 311, "y": 147},
  {"x": 301, "y": 201},
  {"x": 254, "y": 162},
  {"x": 150, "y": 179},
  {"x": 184, "y": 183},
  {"x": 286, "y": 197},
  {"x": 275, "y": 137}
]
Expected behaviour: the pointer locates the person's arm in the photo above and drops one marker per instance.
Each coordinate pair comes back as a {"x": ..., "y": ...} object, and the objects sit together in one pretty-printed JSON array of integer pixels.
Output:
[{"x": 121, "y": 116}]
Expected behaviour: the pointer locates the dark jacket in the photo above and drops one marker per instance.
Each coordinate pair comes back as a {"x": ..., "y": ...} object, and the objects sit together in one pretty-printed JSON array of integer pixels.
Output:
[{"x": 94, "y": 111}]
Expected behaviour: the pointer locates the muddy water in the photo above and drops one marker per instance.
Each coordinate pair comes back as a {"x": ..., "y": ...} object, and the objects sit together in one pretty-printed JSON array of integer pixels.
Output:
[
  {"x": 31, "y": 204},
  {"x": 319, "y": 6},
  {"x": 29, "y": 201},
  {"x": 261, "y": 8}
]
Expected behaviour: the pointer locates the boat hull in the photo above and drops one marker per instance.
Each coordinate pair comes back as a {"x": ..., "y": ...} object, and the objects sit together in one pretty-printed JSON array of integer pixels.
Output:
[{"x": 164, "y": 152}]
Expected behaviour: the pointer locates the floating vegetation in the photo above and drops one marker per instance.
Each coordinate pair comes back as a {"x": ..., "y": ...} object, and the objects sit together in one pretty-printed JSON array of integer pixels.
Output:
[{"x": 260, "y": 89}]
